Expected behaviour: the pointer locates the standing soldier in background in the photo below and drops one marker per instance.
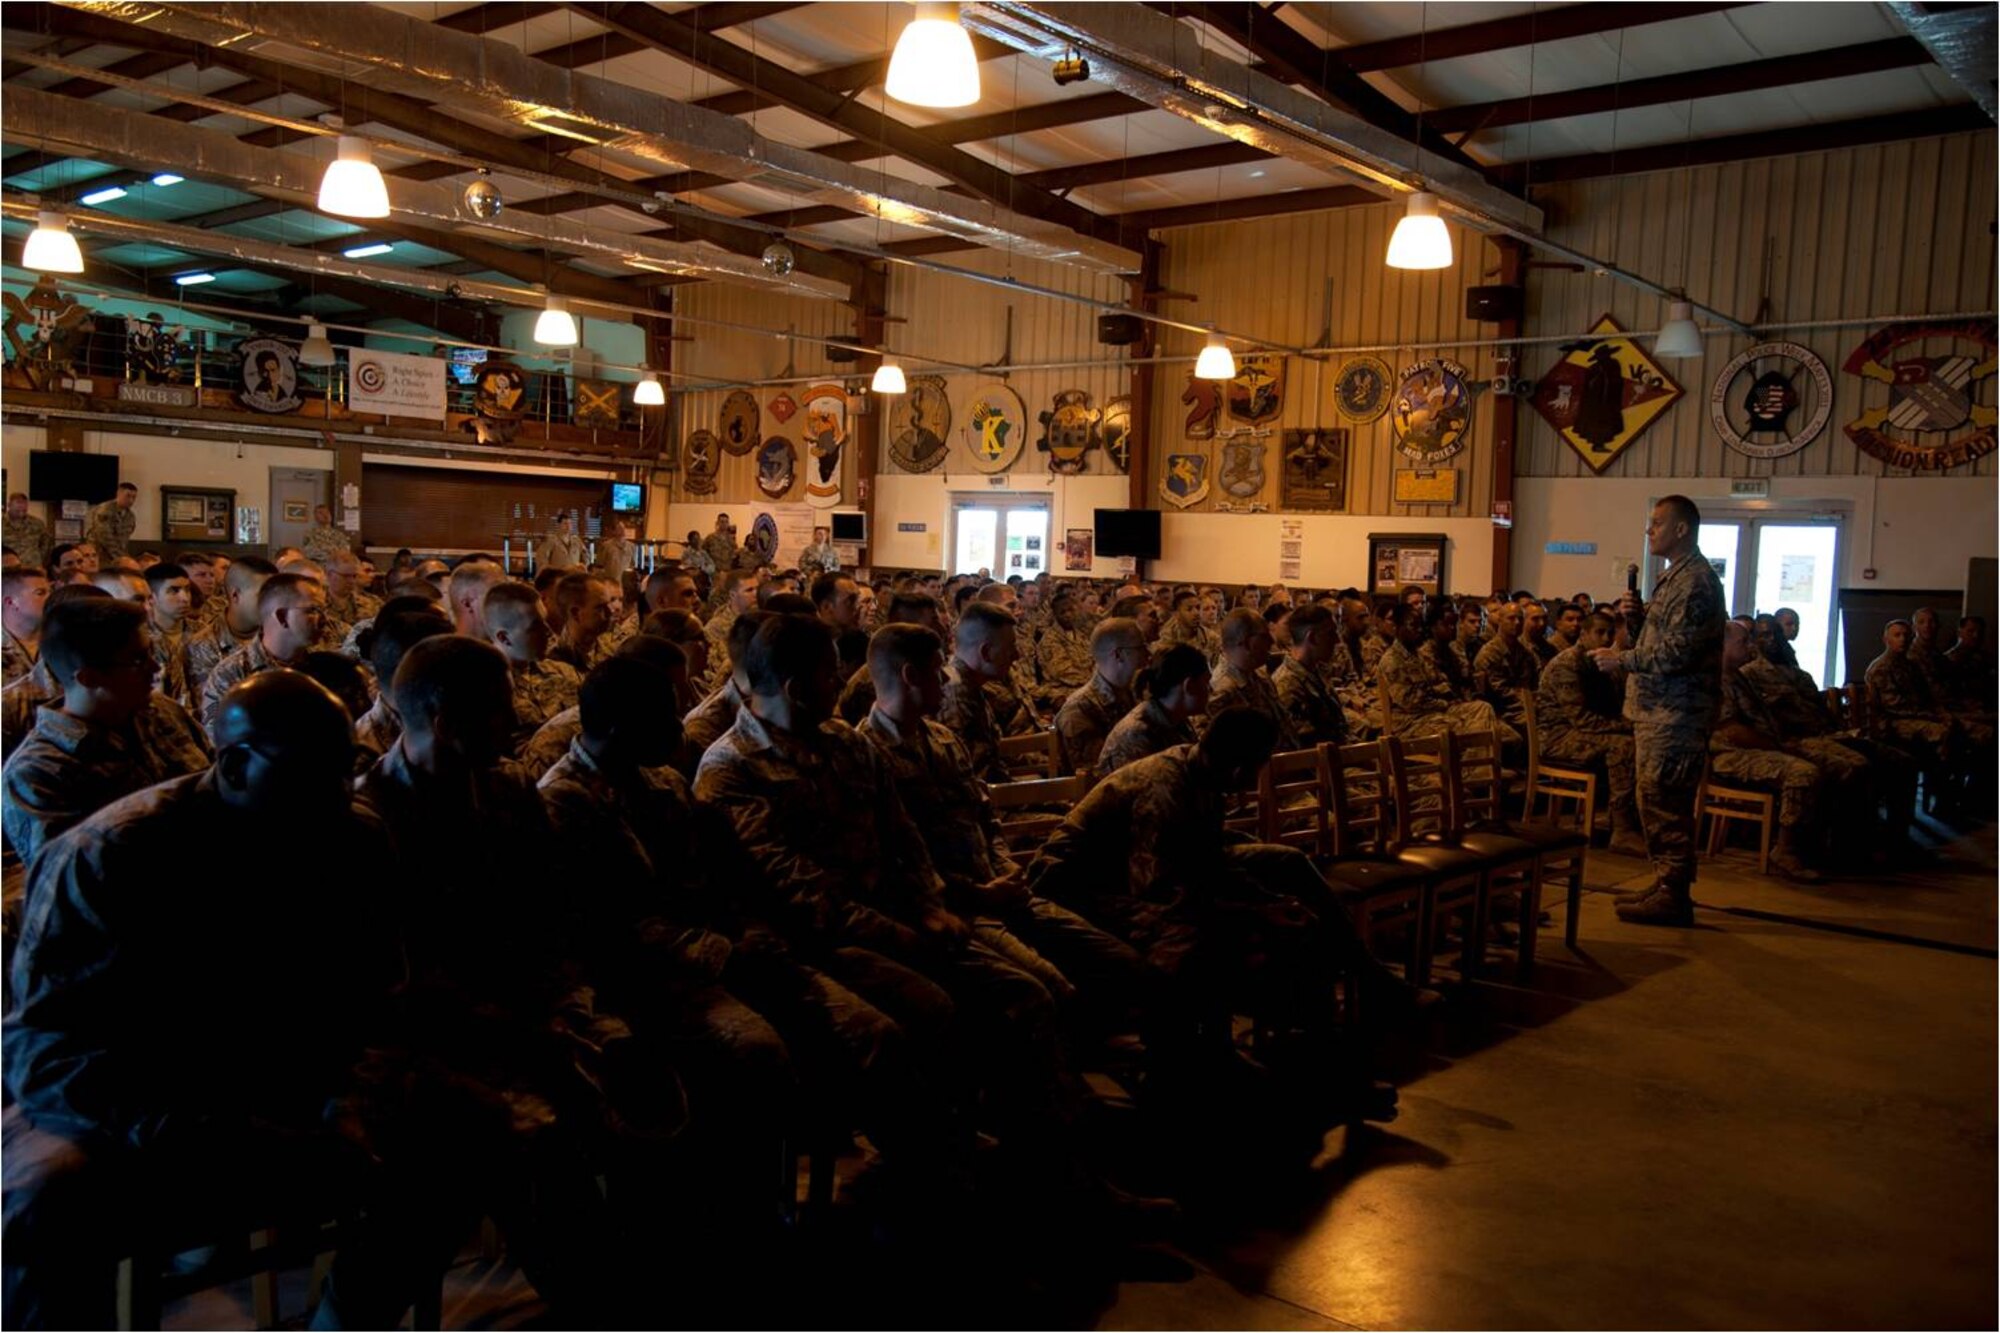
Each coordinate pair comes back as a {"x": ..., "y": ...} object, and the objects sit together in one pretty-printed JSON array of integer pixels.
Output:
[
  {"x": 561, "y": 548},
  {"x": 111, "y": 523},
  {"x": 323, "y": 538},
  {"x": 25, "y": 535},
  {"x": 614, "y": 552},
  {"x": 819, "y": 558},
  {"x": 1672, "y": 694}
]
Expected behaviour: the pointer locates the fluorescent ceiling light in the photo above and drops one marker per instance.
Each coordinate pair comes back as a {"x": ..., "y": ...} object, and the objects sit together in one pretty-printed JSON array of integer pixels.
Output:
[
  {"x": 934, "y": 64},
  {"x": 1215, "y": 361},
  {"x": 556, "y": 327},
  {"x": 103, "y": 196},
  {"x": 1420, "y": 239},
  {"x": 353, "y": 185},
  {"x": 889, "y": 377},
  {"x": 168, "y": 178},
  {"x": 648, "y": 392},
  {"x": 370, "y": 250},
  {"x": 50, "y": 248},
  {"x": 193, "y": 279}
]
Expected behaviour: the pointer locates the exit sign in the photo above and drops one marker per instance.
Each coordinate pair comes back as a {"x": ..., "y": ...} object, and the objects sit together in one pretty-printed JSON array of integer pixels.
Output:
[{"x": 1750, "y": 488}]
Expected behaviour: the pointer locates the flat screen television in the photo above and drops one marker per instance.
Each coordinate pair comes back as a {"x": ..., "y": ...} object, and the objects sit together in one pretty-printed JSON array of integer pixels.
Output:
[
  {"x": 1133, "y": 532},
  {"x": 848, "y": 528},
  {"x": 57, "y": 476},
  {"x": 464, "y": 364},
  {"x": 627, "y": 497}
]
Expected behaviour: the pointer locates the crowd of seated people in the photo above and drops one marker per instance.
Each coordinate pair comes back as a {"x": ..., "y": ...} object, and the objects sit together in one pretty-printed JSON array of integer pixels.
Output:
[{"x": 435, "y": 895}]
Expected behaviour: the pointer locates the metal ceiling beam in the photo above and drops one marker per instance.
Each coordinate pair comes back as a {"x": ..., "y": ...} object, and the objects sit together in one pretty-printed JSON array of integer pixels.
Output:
[
  {"x": 416, "y": 59},
  {"x": 850, "y": 78},
  {"x": 1961, "y": 39},
  {"x": 1543, "y": 25},
  {"x": 498, "y": 14},
  {"x": 1206, "y": 157},
  {"x": 1256, "y": 206},
  {"x": 1746, "y": 76}
]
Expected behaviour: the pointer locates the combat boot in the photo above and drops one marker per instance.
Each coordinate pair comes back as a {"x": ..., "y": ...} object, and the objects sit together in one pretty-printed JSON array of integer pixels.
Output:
[
  {"x": 1640, "y": 895},
  {"x": 1663, "y": 907},
  {"x": 1788, "y": 862},
  {"x": 1626, "y": 839}
]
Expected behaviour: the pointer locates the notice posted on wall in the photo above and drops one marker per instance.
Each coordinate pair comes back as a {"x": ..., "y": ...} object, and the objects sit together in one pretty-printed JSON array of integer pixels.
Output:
[{"x": 1291, "y": 550}]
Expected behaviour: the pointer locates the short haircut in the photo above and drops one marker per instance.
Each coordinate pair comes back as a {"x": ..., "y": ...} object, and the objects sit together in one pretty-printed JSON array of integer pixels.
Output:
[
  {"x": 300, "y": 564},
  {"x": 470, "y": 577},
  {"x": 1899, "y": 621},
  {"x": 548, "y": 576},
  {"x": 13, "y": 580},
  {"x": 655, "y": 652},
  {"x": 827, "y": 587},
  {"x": 1241, "y": 736},
  {"x": 415, "y": 589},
  {"x": 249, "y": 571},
  {"x": 789, "y": 604},
  {"x": 118, "y": 582},
  {"x": 74, "y": 592},
  {"x": 733, "y": 579},
  {"x": 898, "y": 645},
  {"x": 785, "y": 647},
  {"x": 981, "y": 621},
  {"x": 163, "y": 573},
  {"x": 283, "y": 590},
  {"x": 995, "y": 594},
  {"x": 673, "y": 624},
  {"x": 572, "y": 591},
  {"x": 626, "y": 689},
  {"x": 189, "y": 559},
  {"x": 1128, "y": 608},
  {"x": 1684, "y": 509},
  {"x": 1240, "y": 626},
  {"x": 1403, "y": 613},
  {"x": 741, "y": 631},
  {"x": 1309, "y": 618},
  {"x": 436, "y": 668},
  {"x": 661, "y": 580},
  {"x": 58, "y": 551},
  {"x": 1112, "y": 634},
  {"x": 910, "y": 607},
  {"x": 1176, "y": 666},
  {"x": 340, "y": 674},
  {"x": 395, "y": 632},
  {"x": 1598, "y": 620},
  {"x": 87, "y": 632},
  {"x": 128, "y": 486},
  {"x": 511, "y": 603}
]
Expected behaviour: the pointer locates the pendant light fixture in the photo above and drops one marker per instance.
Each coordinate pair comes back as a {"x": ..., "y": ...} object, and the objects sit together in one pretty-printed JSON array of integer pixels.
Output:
[
  {"x": 889, "y": 377},
  {"x": 1215, "y": 361},
  {"x": 934, "y": 64},
  {"x": 556, "y": 327},
  {"x": 353, "y": 185},
  {"x": 50, "y": 248},
  {"x": 1420, "y": 240},
  {"x": 648, "y": 393},
  {"x": 316, "y": 350},
  {"x": 1680, "y": 336}
]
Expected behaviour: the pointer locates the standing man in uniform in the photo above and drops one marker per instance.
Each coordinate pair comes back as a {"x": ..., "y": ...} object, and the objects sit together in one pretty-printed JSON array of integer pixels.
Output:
[
  {"x": 561, "y": 548},
  {"x": 25, "y": 535},
  {"x": 323, "y": 539},
  {"x": 1672, "y": 695},
  {"x": 111, "y": 523}
]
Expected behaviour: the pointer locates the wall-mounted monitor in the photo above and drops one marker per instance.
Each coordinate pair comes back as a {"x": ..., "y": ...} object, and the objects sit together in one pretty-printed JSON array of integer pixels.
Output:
[
  {"x": 848, "y": 528},
  {"x": 55, "y": 476},
  {"x": 1133, "y": 532},
  {"x": 627, "y": 497},
  {"x": 464, "y": 364}
]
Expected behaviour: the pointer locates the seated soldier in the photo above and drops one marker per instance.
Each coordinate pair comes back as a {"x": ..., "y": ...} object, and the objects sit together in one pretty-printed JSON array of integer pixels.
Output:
[
  {"x": 714, "y": 715},
  {"x": 984, "y": 649},
  {"x": 401, "y": 623},
  {"x": 652, "y": 929},
  {"x": 1421, "y": 701},
  {"x": 682, "y": 630},
  {"x": 1228, "y": 923},
  {"x": 1442, "y": 650},
  {"x": 949, "y": 805},
  {"x": 292, "y": 608},
  {"x": 234, "y": 625},
  {"x": 581, "y": 615},
  {"x": 1240, "y": 679},
  {"x": 1749, "y": 746},
  {"x": 1580, "y": 711},
  {"x": 111, "y": 734},
  {"x": 1535, "y": 634},
  {"x": 177, "y": 1059},
  {"x": 1350, "y": 672},
  {"x": 1902, "y": 706},
  {"x": 542, "y": 688},
  {"x": 1184, "y": 625},
  {"x": 1315, "y": 715},
  {"x": 905, "y": 608},
  {"x": 1967, "y": 706},
  {"x": 1064, "y": 656},
  {"x": 1017, "y": 698},
  {"x": 1177, "y": 693},
  {"x": 1118, "y": 652},
  {"x": 23, "y": 590},
  {"x": 1973, "y": 661},
  {"x": 21, "y": 699},
  {"x": 171, "y": 623},
  {"x": 1505, "y": 667}
]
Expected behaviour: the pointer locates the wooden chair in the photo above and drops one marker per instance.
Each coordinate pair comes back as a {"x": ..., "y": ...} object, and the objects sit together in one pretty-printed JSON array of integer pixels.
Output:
[
  {"x": 1562, "y": 786},
  {"x": 1038, "y": 754},
  {"x": 1722, "y": 806},
  {"x": 1030, "y": 811},
  {"x": 1293, "y": 805},
  {"x": 1379, "y": 890},
  {"x": 1479, "y": 787}
]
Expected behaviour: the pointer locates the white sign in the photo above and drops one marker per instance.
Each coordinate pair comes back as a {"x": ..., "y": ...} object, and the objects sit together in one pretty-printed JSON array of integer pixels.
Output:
[
  {"x": 795, "y": 532},
  {"x": 395, "y": 384},
  {"x": 1291, "y": 549}
]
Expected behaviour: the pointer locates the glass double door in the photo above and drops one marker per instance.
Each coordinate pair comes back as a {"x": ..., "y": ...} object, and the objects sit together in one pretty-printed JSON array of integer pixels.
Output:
[
  {"x": 1000, "y": 538},
  {"x": 1767, "y": 561}
]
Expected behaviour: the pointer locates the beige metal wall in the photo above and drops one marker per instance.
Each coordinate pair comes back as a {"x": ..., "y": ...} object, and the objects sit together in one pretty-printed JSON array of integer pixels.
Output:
[{"x": 1885, "y": 230}]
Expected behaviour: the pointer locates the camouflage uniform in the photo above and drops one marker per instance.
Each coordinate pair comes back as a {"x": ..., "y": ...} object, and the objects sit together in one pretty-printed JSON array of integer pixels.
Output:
[
  {"x": 21, "y": 700},
  {"x": 817, "y": 559},
  {"x": 109, "y": 529},
  {"x": 1013, "y": 701},
  {"x": 1356, "y": 692},
  {"x": 1086, "y": 719},
  {"x": 1577, "y": 709},
  {"x": 548, "y": 745},
  {"x": 27, "y": 537},
  {"x": 68, "y": 768},
  {"x": 1421, "y": 701},
  {"x": 324, "y": 541},
  {"x": 969, "y": 714},
  {"x": 1674, "y": 676},
  {"x": 541, "y": 690},
  {"x": 949, "y": 805},
  {"x": 1316, "y": 716},
  {"x": 716, "y": 630},
  {"x": 1798, "y": 780},
  {"x": 16, "y": 660},
  {"x": 1065, "y": 662},
  {"x": 170, "y": 651},
  {"x": 1146, "y": 730},
  {"x": 1905, "y": 709},
  {"x": 1448, "y": 662},
  {"x": 721, "y": 552},
  {"x": 559, "y": 550},
  {"x": 207, "y": 647},
  {"x": 1373, "y": 647},
  {"x": 857, "y": 697},
  {"x": 1203, "y": 638},
  {"x": 614, "y": 557},
  {"x": 232, "y": 670},
  {"x": 707, "y": 720},
  {"x": 1231, "y": 688},
  {"x": 376, "y": 730},
  {"x": 1501, "y": 671}
]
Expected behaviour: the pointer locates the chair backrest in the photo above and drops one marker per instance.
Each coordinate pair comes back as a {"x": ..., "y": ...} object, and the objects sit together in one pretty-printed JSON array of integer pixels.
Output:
[
  {"x": 1534, "y": 730},
  {"x": 1477, "y": 778},
  {"x": 1039, "y": 752},
  {"x": 1356, "y": 787},
  {"x": 1031, "y": 810},
  {"x": 1244, "y": 810},
  {"x": 1294, "y": 804},
  {"x": 1420, "y": 780}
]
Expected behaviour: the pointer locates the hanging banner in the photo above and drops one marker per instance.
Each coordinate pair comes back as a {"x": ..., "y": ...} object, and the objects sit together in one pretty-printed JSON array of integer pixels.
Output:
[
  {"x": 795, "y": 525},
  {"x": 1603, "y": 394},
  {"x": 1926, "y": 394},
  {"x": 395, "y": 384},
  {"x": 825, "y": 437}
]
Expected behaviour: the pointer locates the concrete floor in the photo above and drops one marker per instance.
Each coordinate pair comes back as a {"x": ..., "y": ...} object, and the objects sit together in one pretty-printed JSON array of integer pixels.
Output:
[{"x": 1784, "y": 1118}]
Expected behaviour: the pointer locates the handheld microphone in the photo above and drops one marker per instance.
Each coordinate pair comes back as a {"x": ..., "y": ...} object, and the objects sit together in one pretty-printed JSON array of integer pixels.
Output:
[{"x": 1632, "y": 579}]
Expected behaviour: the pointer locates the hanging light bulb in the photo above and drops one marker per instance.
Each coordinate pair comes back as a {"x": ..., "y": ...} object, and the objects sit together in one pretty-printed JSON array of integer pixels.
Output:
[
  {"x": 1215, "y": 361},
  {"x": 556, "y": 327},
  {"x": 50, "y": 247},
  {"x": 353, "y": 186},
  {"x": 1680, "y": 336},
  {"x": 648, "y": 392},
  {"x": 934, "y": 64},
  {"x": 316, "y": 350},
  {"x": 889, "y": 377},
  {"x": 1420, "y": 239}
]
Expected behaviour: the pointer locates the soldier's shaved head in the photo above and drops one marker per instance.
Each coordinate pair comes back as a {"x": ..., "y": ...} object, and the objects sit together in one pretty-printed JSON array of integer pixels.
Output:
[
  {"x": 284, "y": 746},
  {"x": 1112, "y": 635}
]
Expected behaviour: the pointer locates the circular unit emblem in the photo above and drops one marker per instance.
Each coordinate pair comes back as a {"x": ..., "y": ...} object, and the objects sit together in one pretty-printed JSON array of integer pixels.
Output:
[
  {"x": 1431, "y": 410},
  {"x": 997, "y": 428},
  {"x": 738, "y": 423},
  {"x": 919, "y": 424},
  {"x": 1771, "y": 400},
  {"x": 698, "y": 468},
  {"x": 270, "y": 375},
  {"x": 503, "y": 391},
  {"x": 777, "y": 465},
  {"x": 370, "y": 375},
  {"x": 762, "y": 543},
  {"x": 1361, "y": 389},
  {"x": 1114, "y": 432},
  {"x": 1930, "y": 403}
]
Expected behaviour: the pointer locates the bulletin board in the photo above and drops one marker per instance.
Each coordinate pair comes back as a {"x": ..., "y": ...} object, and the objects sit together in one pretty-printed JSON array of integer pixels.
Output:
[
  {"x": 196, "y": 513},
  {"x": 1399, "y": 560}
]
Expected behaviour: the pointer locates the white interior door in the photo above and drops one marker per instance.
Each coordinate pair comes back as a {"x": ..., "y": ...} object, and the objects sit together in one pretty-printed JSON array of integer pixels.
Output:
[
  {"x": 1795, "y": 565},
  {"x": 1001, "y": 536}
]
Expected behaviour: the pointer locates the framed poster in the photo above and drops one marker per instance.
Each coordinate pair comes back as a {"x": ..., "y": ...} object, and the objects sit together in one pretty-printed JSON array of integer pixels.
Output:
[
  {"x": 1399, "y": 560},
  {"x": 1077, "y": 544},
  {"x": 195, "y": 513}
]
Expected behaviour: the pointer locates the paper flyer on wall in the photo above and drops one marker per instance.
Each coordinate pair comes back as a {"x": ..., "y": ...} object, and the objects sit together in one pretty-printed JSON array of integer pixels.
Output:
[{"x": 1291, "y": 549}]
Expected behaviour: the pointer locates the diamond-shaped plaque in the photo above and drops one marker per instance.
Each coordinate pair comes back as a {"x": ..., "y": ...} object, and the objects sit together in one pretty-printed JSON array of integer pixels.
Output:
[{"x": 1604, "y": 393}]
